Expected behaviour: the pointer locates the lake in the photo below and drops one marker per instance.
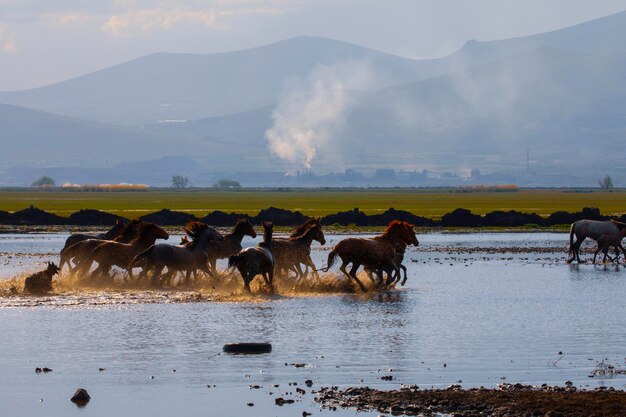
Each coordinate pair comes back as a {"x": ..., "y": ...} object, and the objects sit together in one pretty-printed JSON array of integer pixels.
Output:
[{"x": 478, "y": 309}]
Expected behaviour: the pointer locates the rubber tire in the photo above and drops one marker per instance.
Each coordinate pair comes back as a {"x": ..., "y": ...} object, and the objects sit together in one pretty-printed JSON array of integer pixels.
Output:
[{"x": 247, "y": 348}]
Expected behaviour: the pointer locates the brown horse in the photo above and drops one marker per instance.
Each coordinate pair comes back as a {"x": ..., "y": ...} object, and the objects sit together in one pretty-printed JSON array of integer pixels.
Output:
[
  {"x": 606, "y": 241},
  {"x": 290, "y": 253},
  {"x": 378, "y": 253},
  {"x": 251, "y": 262},
  {"x": 393, "y": 278},
  {"x": 80, "y": 252},
  {"x": 112, "y": 253},
  {"x": 188, "y": 257},
  {"x": 114, "y": 232},
  {"x": 231, "y": 244}
]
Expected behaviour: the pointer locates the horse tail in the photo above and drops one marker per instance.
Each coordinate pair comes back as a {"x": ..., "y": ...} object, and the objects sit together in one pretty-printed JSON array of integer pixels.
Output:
[
  {"x": 232, "y": 261},
  {"x": 146, "y": 253},
  {"x": 571, "y": 239},
  {"x": 331, "y": 260}
]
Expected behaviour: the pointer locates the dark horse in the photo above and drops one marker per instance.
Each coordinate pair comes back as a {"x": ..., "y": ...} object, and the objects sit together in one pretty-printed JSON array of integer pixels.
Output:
[
  {"x": 290, "y": 253},
  {"x": 259, "y": 260},
  {"x": 393, "y": 278},
  {"x": 112, "y": 253},
  {"x": 593, "y": 229},
  {"x": 378, "y": 253},
  {"x": 79, "y": 237},
  {"x": 80, "y": 252},
  {"x": 187, "y": 257},
  {"x": 231, "y": 244}
]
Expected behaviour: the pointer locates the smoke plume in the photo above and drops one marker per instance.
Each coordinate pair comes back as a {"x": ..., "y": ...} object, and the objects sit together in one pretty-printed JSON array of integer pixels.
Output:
[{"x": 311, "y": 111}]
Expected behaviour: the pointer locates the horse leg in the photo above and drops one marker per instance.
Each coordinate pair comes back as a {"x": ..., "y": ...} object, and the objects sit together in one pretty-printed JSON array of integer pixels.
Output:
[
  {"x": 355, "y": 267},
  {"x": 577, "y": 244},
  {"x": 596, "y": 254},
  {"x": 342, "y": 268},
  {"x": 156, "y": 277},
  {"x": 309, "y": 263},
  {"x": 268, "y": 277},
  {"x": 404, "y": 270}
]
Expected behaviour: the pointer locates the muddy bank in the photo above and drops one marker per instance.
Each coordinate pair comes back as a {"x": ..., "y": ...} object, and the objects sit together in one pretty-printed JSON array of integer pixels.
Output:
[
  {"x": 506, "y": 400},
  {"x": 459, "y": 218}
]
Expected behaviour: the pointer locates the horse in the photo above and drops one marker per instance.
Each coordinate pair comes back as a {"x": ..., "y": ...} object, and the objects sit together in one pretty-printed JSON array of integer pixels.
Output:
[
  {"x": 187, "y": 257},
  {"x": 378, "y": 253},
  {"x": 289, "y": 253},
  {"x": 231, "y": 244},
  {"x": 112, "y": 253},
  {"x": 114, "y": 232},
  {"x": 80, "y": 251},
  {"x": 590, "y": 229},
  {"x": 400, "y": 248},
  {"x": 254, "y": 261},
  {"x": 606, "y": 241},
  {"x": 41, "y": 282}
]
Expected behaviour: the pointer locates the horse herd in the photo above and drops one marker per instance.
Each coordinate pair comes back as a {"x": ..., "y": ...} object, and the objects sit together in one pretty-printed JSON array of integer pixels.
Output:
[{"x": 133, "y": 246}]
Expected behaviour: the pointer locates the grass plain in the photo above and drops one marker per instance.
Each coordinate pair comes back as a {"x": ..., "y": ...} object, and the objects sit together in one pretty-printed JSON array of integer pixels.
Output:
[{"x": 431, "y": 203}]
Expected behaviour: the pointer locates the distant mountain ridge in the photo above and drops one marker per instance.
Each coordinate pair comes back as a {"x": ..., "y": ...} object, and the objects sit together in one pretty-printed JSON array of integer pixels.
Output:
[{"x": 561, "y": 94}]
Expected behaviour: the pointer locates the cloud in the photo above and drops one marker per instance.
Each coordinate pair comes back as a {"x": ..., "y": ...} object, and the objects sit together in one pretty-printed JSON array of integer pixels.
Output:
[{"x": 211, "y": 14}]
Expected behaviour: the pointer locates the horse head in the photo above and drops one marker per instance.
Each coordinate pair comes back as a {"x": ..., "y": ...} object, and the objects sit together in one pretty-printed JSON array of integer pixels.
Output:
[
  {"x": 52, "y": 269},
  {"x": 318, "y": 234},
  {"x": 411, "y": 234},
  {"x": 244, "y": 227}
]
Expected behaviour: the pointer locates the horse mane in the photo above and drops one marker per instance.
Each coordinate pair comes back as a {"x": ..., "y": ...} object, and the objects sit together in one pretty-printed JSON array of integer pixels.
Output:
[
  {"x": 620, "y": 225},
  {"x": 303, "y": 228},
  {"x": 392, "y": 225},
  {"x": 267, "y": 235},
  {"x": 129, "y": 232},
  {"x": 140, "y": 230},
  {"x": 194, "y": 230}
]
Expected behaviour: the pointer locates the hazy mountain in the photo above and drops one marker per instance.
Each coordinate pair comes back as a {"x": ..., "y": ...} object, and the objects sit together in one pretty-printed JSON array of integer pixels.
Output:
[
  {"x": 567, "y": 108},
  {"x": 560, "y": 94},
  {"x": 187, "y": 86},
  {"x": 31, "y": 136},
  {"x": 154, "y": 172}
]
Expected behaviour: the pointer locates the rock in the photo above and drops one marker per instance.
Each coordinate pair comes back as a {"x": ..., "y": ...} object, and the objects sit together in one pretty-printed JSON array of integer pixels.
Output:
[
  {"x": 281, "y": 401},
  {"x": 81, "y": 397},
  {"x": 308, "y": 383}
]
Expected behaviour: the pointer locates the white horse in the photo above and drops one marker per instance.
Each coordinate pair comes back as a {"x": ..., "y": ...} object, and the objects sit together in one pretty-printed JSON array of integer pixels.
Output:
[{"x": 590, "y": 229}]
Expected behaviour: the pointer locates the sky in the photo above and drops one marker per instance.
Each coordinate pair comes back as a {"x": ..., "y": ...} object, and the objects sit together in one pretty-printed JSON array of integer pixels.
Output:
[{"x": 46, "y": 41}]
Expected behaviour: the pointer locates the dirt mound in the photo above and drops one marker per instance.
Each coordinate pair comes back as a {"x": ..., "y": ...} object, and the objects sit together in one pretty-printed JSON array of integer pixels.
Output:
[
  {"x": 280, "y": 217},
  {"x": 167, "y": 217},
  {"x": 7, "y": 218},
  {"x": 222, "y": 219},
  {"x": 90, "y": 217},
  {"x": 35, "y": 216}
]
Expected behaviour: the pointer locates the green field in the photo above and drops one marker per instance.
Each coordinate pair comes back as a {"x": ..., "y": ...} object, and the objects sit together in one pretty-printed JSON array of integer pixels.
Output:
[{"x": 427, "y": 203}]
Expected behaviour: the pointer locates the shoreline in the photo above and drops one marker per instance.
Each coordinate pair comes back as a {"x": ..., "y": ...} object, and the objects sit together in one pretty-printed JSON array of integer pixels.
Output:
[{"x": 506, "y": 400}]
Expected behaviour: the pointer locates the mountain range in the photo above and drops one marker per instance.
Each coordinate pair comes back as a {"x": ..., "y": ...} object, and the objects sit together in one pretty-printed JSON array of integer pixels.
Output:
[{"x": 561, "y": 95}]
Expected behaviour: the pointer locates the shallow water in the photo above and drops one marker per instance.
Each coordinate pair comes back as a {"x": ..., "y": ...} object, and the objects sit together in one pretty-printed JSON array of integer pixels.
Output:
[{"x": 489, "y": 312}]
